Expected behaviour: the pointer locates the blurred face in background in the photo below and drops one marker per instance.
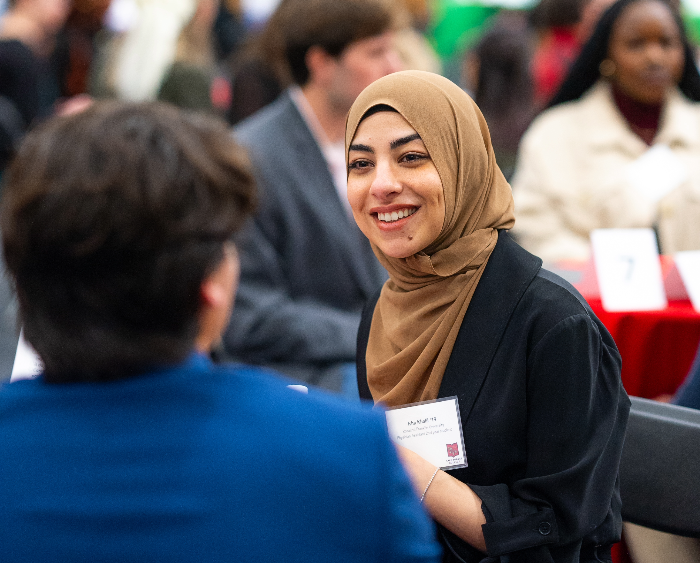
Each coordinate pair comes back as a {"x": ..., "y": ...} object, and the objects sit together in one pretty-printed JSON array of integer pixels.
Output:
[
  {"x": 361, "y": 63},
  {"x": 647, "y": 50}
]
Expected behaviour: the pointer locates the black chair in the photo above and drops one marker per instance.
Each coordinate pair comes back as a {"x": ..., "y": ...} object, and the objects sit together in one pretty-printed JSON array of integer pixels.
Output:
[{"x": 660, "y": 468}]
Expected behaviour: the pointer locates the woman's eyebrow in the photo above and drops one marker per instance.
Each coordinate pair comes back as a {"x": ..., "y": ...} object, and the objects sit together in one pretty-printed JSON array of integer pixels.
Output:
[
  {"x": 362, "y": 148},
  {"x": 403, "y": 141},
  {"x": 394, "y": 144}
]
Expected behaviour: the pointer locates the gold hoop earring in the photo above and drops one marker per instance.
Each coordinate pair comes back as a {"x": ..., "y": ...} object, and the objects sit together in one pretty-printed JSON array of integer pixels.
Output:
[{"x": 607, "y": 68}]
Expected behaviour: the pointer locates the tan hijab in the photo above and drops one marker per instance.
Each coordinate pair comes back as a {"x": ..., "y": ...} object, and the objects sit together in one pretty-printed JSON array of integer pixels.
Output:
[{"x": 422, "y": 305}]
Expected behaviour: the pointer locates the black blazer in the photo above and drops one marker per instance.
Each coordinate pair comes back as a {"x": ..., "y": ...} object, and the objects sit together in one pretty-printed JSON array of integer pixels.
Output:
[{"x": 543, "y": 415}]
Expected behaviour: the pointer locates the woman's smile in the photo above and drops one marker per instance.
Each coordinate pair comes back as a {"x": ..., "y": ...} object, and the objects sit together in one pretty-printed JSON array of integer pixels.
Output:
[{"x": 392, "y": 217}]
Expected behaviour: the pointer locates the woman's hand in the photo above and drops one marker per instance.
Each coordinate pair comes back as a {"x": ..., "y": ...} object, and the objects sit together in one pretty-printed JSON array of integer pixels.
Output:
[{"x": 449, "y": 501}]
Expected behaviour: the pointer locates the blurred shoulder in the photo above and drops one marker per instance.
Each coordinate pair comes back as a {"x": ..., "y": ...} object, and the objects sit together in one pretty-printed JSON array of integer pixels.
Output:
[
  {"x": 554, "y": 121},
  {"x": 270, "y": 391},
  {"x": 567, "y": 118},
  {"x": 682, "y": 115},
  {"x": 267, "y": 122}
]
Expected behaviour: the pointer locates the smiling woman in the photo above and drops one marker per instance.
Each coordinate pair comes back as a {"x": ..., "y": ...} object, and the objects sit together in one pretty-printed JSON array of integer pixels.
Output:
[
  {"x": 468, "y": 313},
  {"x": 394, "y": 188}
]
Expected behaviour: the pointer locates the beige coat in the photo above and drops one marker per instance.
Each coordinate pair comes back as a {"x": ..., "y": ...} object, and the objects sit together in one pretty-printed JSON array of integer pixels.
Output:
[{"x": 572, "y": 177}]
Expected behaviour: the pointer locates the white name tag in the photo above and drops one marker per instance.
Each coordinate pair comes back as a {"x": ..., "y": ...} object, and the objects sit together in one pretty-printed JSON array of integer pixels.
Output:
[{"x": 432, "y": 429}]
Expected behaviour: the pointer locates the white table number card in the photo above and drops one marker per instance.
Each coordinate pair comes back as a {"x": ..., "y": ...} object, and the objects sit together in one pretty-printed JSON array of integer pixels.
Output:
[
  {"x": 432, "y": 429},
  {"x": 628, "y": 269},
  {"x": 27, "y": 362},
  {"x": 688, "y": 264}
]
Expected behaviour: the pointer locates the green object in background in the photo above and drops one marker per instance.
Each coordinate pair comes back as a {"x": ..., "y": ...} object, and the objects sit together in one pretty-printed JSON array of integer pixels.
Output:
[
  {"x": 691, "y": 16},
  {"x": 457, "y": 24},
  {"x": 692, "y": 26}
]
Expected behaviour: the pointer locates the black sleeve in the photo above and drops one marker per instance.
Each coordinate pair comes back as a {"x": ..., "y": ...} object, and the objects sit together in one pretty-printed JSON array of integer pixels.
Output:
[{"x": 577, "y": 415}]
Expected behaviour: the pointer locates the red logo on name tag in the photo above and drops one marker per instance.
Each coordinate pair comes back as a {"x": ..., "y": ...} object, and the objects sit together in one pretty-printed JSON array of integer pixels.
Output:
[{"x": 452, "y": 450}]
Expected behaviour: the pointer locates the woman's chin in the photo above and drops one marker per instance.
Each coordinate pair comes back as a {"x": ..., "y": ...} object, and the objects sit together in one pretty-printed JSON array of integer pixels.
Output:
[{"x": 403, "y": 250}]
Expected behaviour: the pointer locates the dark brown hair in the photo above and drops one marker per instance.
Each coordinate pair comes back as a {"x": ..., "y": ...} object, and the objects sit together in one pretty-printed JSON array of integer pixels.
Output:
[
  {"x": 331, "y": 25},
  {"x": 111, "y": 221},
  {"x": 556, "y": 13}
]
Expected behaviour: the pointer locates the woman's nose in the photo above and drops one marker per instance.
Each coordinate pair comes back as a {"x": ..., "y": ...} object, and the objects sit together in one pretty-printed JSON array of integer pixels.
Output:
[
  {"x": 385, "y": 182},
  {"x": 655, "y": 54}
]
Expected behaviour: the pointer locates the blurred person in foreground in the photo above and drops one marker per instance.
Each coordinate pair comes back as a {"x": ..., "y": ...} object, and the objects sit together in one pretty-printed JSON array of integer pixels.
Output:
[
  {"x": 619, "y": 146},
  {"x": 306, "y": 269},
  {"x": 132, "y": 446}
]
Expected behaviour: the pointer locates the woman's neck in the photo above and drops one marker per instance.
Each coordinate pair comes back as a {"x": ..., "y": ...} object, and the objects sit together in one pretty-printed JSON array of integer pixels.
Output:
[{"x": 642, "y": 118}]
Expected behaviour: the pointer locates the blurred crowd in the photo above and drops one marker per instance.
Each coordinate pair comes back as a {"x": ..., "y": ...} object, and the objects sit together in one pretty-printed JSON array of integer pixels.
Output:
[
  {"x": 227, "y": 56},
  {"x": 221, "y": 56},
  {"x": 593, "y": 115},
  {"x": 575, "y": 94}
]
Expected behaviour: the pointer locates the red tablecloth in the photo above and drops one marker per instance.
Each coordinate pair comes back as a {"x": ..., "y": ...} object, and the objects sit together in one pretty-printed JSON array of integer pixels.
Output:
[{"x": 657, "y": 347}]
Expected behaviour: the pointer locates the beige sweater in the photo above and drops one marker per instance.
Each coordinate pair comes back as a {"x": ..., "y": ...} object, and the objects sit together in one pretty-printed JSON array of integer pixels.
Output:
[{"x": 572, "y": 177}]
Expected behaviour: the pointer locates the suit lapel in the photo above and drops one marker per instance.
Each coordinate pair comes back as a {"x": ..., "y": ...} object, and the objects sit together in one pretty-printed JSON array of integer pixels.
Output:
[
  {"x": 353, "y": 247},
  {"x": 508, "y": 273}
]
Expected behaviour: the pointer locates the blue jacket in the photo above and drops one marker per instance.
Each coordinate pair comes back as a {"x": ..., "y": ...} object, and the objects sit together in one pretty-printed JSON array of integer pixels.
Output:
[{"x": 200, "y": 463}]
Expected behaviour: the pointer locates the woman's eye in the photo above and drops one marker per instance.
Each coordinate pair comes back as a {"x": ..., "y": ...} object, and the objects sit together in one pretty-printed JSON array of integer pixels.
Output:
[
  {"x": 358, "y": 165},
  {"x": 413, "y": 157},
  {"x": 669, "y": 42}
]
